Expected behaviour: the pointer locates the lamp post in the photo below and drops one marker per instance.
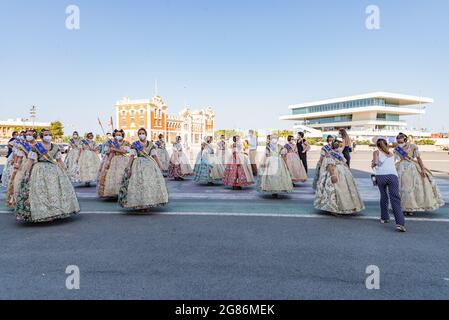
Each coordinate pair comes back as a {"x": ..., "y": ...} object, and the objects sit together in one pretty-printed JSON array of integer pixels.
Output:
[{"x": 33, "y": 113}]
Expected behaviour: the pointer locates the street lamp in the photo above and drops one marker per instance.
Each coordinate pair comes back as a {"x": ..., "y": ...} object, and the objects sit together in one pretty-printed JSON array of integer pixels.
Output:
[{"x": 33, "y": 113}]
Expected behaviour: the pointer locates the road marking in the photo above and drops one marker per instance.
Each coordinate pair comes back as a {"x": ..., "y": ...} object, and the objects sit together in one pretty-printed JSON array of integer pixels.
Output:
[{"x": 252, "y": 214}]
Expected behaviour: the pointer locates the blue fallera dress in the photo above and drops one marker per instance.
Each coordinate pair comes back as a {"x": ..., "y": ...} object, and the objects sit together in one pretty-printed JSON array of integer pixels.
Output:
[{"x": 207, "y": 167}]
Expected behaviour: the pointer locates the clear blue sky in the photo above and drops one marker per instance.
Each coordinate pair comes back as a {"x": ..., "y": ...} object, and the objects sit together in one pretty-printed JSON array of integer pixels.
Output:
[{"x": 248, "y": 59}]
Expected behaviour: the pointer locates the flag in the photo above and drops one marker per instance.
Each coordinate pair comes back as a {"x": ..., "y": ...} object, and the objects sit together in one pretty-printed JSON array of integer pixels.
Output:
[
  {"x": 111, "y": 123},
  {"x": 101, "y": 126}
]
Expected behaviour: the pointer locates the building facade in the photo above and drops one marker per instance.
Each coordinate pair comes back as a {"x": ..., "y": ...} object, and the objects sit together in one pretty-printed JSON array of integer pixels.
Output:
[
  {"x": 151, "y": 114},
  {"x": 9, "y": 126},
  {"x": 363, "y": 116}
]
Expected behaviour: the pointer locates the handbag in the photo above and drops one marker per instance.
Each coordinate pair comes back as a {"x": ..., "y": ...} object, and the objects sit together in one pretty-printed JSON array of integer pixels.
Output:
[{"x": 374, "y": 180}]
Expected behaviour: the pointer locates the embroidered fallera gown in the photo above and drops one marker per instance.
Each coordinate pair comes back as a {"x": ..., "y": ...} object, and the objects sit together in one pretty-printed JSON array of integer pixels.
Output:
[
  {"x": 179, "y": 165},
  {"x": 144, "y": 187},
  {"x": 417, "y": 193},
  {"x": 273, "y": 174},
  {"x": 48, "y": 194},
  {"x": 88, "y": 163},
  {"x": 294, "y": 163},
  {"x": 342, "y": 197},
  {"x": 208, "y": 168},
  {"x": 70, "y": 161},
  {"x": 112, "y": 169},
  {"x": 21, "y": 151},
  {"x": 238, "y": 171},
  {"x": 319, "y": 168},
  {"x": 8, "y": 166},
  {"x": 223, "y": 154},
  {"x": 162, "y": 154}
]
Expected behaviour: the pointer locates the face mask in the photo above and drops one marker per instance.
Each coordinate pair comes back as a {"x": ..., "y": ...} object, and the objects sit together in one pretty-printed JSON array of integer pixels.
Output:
[
  {"x": 47, "y": 138},
  {"x": 29, "y": 138},
  {"x": 119, "y": 138},
  {"x": 75, "y": 136},
  {"x": 340, "y": 149},
  {"x": 274, "y": 141},
  {"x": 401, "y": 144},
  {"x": 142, "y": 137}
]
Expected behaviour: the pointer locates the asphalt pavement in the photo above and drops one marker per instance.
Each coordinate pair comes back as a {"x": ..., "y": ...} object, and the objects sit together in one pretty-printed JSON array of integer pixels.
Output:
[{"x": 216, "y": 243}]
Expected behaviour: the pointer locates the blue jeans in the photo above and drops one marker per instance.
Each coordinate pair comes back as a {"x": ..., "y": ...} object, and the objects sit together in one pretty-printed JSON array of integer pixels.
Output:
[{"x": 392, "y": 183}]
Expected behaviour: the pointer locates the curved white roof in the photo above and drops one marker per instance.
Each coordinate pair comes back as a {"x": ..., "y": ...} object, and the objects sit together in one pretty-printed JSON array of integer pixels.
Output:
[{"x": 391, "y": 98}]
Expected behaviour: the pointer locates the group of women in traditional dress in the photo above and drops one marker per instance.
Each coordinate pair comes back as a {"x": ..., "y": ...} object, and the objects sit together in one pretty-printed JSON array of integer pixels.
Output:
[
  {"x": 39, "y": 188},
  {"x": 280, "y": 166},
  {"x": 40, "y": 185},
  {"x": 405, "y": 184}
]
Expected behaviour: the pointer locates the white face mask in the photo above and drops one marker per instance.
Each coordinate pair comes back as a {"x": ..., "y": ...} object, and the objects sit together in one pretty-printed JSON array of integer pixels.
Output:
[
  {"x": 75, "y": 136},
  {"x": 340, "y": 149},
  {"x": 47, "y": 138},
  {"x": 401, "y": 144},
  {"x": 119, "y": 138},
  {"x": 142, "y": 137},
  {"x": 29, "y": 138},
  {"x": 274, "y": 141}
]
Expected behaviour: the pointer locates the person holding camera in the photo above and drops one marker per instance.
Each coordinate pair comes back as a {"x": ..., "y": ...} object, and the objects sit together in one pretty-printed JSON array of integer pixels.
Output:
[{"x": 386, "y": 179}]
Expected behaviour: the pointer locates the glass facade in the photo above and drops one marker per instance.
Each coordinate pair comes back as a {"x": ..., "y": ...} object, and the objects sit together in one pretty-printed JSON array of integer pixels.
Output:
[
  {"x": 341, "y": 118},
  {"x": 343, "y": 105},
  {"x": 387, "y": 117}
]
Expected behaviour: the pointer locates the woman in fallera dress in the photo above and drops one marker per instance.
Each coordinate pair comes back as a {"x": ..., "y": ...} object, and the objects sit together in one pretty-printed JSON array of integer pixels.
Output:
[
  {"x": 179, "y": 166},
  {"x": 418, "y": 188},
  {"x": 21, "y": 149},
  {"x": 294, "y": 163},
  {"x": 45, "y": 193},
  {"x": 8, "y": 168},
  {"x": 73, "y": 151},
  {"x": 143, "y": 186},
  {"x": 162, "y": 153},
  {"x": 88, "y": 161},
  {"x": 222, "y": 152},
  {"x": 324, "y": 151},
  {"x": 238, "y": 172},
  {"x": 208, "y": 169},
  {"x": 113, "y": 167},
  {"x": 274, "y": 177},
  {"x": 337, "y": 191}
]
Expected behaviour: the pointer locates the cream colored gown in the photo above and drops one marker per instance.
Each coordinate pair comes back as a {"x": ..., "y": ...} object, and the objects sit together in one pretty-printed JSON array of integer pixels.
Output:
[
  {"x": 273, "y": 176},
  {"x": 70, "y": 161},
  {"x": 145, "y": 188},
  {"x": 48, "y": 194},
  {"x": 342, "y": 197},
  {"x": 112, "y": 170},
  {"x": 89, "y": 163},
  {"x": 162, "y": 154},
  {"x": 16, "y": 178},
  {"x": 417, "y": 193}
]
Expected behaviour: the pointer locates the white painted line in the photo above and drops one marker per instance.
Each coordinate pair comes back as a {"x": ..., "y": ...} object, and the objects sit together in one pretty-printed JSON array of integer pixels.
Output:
[{"x": 253, "y": 214}]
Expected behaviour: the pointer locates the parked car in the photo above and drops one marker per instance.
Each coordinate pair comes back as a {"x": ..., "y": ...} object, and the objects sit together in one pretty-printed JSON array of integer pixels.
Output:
[{"x": 3, "y": 150}]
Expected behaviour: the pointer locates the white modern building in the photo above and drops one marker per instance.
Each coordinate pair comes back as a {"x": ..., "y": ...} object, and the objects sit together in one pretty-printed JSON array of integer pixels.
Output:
[
  {"x": 364, "y": 116},
  {"x": 7, "y": 127}
]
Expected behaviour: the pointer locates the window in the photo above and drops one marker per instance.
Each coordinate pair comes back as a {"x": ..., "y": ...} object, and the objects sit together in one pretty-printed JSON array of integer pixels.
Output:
[{"x": 142, "y": 118}]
